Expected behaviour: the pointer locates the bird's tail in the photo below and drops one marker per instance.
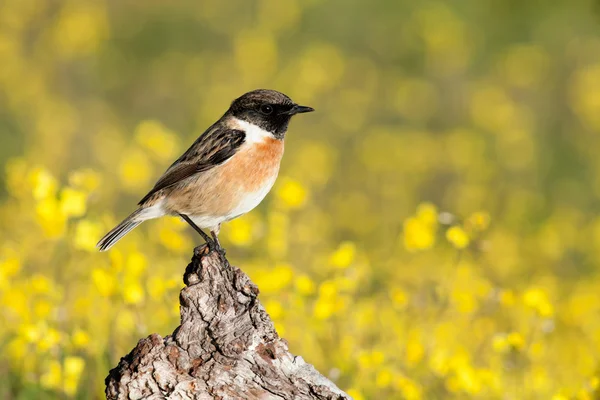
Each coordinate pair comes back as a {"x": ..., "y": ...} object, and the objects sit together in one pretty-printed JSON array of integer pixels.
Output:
[{"x": 121, "y": 230}]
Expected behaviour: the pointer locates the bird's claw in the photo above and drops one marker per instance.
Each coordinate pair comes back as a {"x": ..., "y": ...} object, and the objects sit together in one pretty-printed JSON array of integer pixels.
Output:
[
  {"x": 216, "y": 246},
  {"x": 209, "y": 247}
]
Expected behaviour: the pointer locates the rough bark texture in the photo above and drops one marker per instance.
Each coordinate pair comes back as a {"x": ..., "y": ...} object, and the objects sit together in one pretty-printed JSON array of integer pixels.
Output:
[{"x": 225, "y": 348}]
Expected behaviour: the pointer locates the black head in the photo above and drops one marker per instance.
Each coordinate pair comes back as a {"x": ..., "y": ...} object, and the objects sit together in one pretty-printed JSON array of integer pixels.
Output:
[{"x": 268, "y": 109}]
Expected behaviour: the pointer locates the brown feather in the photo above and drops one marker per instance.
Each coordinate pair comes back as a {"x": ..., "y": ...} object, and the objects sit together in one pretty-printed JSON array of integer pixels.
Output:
[
  {"x": 219, "y": 190},
  {"x": 213, "y": 148}
]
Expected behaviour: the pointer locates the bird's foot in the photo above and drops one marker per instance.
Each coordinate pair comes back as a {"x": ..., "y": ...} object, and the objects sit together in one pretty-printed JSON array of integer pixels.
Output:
[
  {"x": 216, "y": 246},
  {"x": 209, "y": 247}
]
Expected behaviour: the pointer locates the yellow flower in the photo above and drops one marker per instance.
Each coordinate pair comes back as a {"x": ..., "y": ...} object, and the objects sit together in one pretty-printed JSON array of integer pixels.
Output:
[
  {"x": 275, "y": 280},
  {"x": 133, "y": 293},
  {"x": 83, "y": 305},
  {"x": 72, "y": 202},
  {"x": 418, "y": 235},
  {"x": 87, "y": 234},
  {"x": 355, "y": 394},
  {"x": 85, "y": 179},
  {"x": 516, "y": 340},
  {"x": 173, "y": 283},
  {"x": 278, "y": 228},
  {"x": 80, "y": 28},
  {"x": 399, "y": 297},
  {"x": 427, "y": 213},
  {"x": 31, "y": 332},
  {"x": 537, "y": 350},
  {"x": 10, "y": 263},
  {"x": 80, "y": 339},
  {"x": 344, "y": 255},
  {"x": 305, "y": 285},
  {"x": 409, "y": 389},
  {"x": 52, "y": 377},
  {"x": 464, "y": 301},
  {"x": 457, "y": 236},
  {"x": 500, "y": 343},
  {"x": 73, "y": 367},
  {"x": 125, "y": 321},
  {"x": 383, "y": 378},
  {"x": 291, "y": 193},
  {"x": 479, "y": 221},
  {"x": 170, "y": 236},
  {"x": 40, "y": 284},
  {"x": 156, "y": 287},
  {"x": 104, "y": 282},
  {"x": 324, "y": 308},
  {"x": 50, "y": 217},
  {"x": 538, "y": 300},
  {"x": 365, "y": 360},
  {"x": 280, "y": 328},
  {"x": 42, "y": 308},
  {"x": 117, "y": 260},
  {"x": 17, "y": 349},
  {"x": 378, "y": 357},
  {"x": 135, "y": 170},
  {"x": 469, "y": 380},
  {"x": 51, "y": 338},
  {"x": 136, "y": 265},
  {"x": 274, "y": 309},
  {"x": 241, "y": 231},
  {"x": 155, "y": 137},
  {"x": 328, "y": 289},
  {"x": 414, "y": 349},
  {"x": 439, "y": 362},
  {"x": 507, "y": 298},
  {"x": 420, "y": 231},
  {"x": 43, "y": 183},
  {"x": 15, "y": 302}
]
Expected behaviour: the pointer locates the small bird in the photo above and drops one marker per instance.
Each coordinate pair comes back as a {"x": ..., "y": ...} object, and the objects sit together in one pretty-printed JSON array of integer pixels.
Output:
[{"x": 226, "y": 172}]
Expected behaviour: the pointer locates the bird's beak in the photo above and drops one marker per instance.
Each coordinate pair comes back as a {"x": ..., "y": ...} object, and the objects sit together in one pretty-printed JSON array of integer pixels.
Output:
[{"x": 296, "y": 109}]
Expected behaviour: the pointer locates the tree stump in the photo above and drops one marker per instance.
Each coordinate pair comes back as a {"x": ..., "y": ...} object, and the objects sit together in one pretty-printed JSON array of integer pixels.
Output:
[{"x": 225, "y": 348}]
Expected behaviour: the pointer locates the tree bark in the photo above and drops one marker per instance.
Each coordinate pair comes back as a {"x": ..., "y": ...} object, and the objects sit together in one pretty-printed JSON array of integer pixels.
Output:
[{"x": 225, "y": 348}]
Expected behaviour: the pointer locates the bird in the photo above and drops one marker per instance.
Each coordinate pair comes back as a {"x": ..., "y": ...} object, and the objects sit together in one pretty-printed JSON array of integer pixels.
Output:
[{"x": 225, "y": 173}]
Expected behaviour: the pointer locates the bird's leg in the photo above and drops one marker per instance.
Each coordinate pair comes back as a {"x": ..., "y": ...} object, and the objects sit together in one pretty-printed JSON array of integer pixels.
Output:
[
  {"x": 212, "y": 245},
  {"x": 215, "y": 236}
]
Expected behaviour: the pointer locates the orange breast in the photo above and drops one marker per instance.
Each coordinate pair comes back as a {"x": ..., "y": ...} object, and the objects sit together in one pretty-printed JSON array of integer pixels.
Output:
[
  {"x": 254, "y": 165},
  {"x": 220, "y": 190}
]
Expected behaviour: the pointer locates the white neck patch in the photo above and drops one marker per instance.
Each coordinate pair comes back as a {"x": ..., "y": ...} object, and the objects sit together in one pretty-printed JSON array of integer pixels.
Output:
[{"x": 254, "y": 134}]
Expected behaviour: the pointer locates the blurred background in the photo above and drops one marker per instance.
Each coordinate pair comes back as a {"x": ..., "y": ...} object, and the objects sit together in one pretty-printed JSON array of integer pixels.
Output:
[{"x": 433, "y": 233}]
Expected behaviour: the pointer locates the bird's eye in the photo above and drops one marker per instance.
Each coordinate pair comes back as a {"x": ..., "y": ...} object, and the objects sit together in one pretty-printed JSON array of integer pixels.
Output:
[{"x": 266, "y": 109}]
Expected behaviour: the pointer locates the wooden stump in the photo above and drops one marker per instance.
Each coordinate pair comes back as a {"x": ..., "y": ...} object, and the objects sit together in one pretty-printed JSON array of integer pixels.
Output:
[{"x": 225, "y": 348}]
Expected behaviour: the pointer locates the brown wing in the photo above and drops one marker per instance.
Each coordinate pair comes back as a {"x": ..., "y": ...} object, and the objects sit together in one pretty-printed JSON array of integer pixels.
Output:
[{"x": 214, "y": 147}]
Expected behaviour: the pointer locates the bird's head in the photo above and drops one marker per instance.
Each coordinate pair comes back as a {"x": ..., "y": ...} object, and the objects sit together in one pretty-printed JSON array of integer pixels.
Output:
[{"x": 267, "y": 109}]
